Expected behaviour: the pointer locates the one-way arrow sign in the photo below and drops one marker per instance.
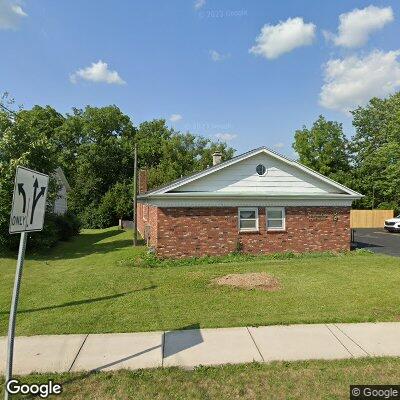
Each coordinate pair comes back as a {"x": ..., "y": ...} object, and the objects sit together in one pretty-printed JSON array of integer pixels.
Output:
[
  {"x": 29, "y": 201},
  {"x": 21, "y": 192}
]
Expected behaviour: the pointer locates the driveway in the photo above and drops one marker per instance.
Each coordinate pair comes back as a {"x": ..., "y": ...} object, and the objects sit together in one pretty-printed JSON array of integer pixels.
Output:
[{"x": 377, "y": 240}]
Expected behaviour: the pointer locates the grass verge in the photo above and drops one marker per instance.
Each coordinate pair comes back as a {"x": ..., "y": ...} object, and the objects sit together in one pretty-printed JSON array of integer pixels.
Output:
[
  {"x": 83, "y": 286},
  {"x": 278, "y": 380}
]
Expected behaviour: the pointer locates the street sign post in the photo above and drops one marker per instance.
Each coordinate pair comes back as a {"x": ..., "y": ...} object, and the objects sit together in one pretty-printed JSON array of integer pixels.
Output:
[
  {"x": 27, "y": 215},
  {"x": 29, "y": 201}
]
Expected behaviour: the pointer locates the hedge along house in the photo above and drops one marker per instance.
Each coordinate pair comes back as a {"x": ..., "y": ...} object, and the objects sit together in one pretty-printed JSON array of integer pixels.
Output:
[{"x": 258, "y": 202}]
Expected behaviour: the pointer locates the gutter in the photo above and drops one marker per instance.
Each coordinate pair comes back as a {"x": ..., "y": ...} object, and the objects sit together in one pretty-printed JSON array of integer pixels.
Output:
[{"x": 254, "y": 196}]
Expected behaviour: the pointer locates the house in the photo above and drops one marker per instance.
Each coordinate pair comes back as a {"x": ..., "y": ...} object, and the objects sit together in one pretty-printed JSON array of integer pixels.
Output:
[
  {"x": 258, "y": 202},
  {"x": 60, "y": 204}
]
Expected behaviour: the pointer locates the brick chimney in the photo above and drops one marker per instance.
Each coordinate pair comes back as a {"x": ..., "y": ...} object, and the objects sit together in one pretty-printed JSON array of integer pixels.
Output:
[
  {"x": 217, "y": 156},
  {"x": 142, "y": 184}
]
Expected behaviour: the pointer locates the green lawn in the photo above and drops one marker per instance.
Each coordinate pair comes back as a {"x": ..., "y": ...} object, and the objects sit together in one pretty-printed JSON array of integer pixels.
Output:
[
  {"x": 81, "y": 287},
  {"x": 295, "y": 380}
]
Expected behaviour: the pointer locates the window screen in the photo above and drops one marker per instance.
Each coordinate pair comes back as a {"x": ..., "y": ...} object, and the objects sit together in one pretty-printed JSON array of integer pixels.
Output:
[
  {"x": 275, "y": 218},
  {"x": 248, "y": 219}
]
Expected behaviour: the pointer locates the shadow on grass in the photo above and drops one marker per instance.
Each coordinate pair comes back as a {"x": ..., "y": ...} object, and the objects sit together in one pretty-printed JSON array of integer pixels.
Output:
[
  {"x": 79, "y": 302},
  {"x": 85, "y": 244}
]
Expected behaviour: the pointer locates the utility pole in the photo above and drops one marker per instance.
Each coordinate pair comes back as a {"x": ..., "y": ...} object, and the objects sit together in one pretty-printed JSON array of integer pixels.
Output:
[
  {"x": 135, "y": 181},
  {"x": 373, "y": 197}
]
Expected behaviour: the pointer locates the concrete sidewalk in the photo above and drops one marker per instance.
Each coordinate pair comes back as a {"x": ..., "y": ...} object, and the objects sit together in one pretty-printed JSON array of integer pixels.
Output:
[{"x": 190, "y": 348}]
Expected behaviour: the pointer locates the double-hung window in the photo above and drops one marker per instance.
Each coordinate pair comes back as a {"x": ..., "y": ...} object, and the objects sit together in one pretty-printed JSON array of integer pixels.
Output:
[
  {"x": 248, "y": 219},
  {"x": 275, "y": 218}
]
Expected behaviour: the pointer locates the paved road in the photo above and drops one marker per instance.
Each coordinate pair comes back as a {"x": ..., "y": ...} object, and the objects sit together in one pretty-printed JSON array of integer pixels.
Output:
[
  {"x": 193, "y": 347},
  {"x": 378, "y": 240}
]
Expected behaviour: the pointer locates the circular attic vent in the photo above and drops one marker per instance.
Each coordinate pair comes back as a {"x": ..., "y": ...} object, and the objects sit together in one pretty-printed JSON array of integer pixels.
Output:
[{"x": 261, "y": 169}]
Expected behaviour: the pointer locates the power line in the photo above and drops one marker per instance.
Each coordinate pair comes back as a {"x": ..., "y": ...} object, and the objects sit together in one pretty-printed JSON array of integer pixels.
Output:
[{"x": 7, "y": 109}]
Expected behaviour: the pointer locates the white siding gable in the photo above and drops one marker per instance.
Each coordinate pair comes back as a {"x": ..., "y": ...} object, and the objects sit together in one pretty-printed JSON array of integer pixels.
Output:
[
  {"x": 60, "y": 204},
  {"x": 241, "y": 177}
]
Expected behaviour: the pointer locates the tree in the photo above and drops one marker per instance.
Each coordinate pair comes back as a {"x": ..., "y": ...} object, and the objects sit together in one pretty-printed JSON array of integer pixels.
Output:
[
  {"x": 324, "y": 148},
  {"x": 114, "y": 205},
  {"x": 150, "y": 138},
  {"x": 98, "y": 145},
  {"x": 95, "y": 148},
  {"x": 27, "y": 140},
  {"x": 376, "y": 152},
  {"x": 183, "y": 154}
]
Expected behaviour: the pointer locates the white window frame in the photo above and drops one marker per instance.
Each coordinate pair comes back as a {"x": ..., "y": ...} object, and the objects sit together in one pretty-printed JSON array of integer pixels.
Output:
[
  {"x": 250, "y": 219},
  {"x": 283, "y": 228}
]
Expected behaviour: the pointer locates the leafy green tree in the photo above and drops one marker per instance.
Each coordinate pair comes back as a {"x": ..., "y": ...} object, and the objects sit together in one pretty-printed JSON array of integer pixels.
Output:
[
  {"x": 324, "y": 148},
  {"x": 95, "y": 148},
  {"x": 27, "y": 140},
  {"x": 98, "y": 147},
  {"x": 96, "y": 151},
  {"x": 183, "y": 154},
  {"x": 150, "y": 138},
  {"x": 120, "y": 201},
  {"x": 376, "y": 152}
]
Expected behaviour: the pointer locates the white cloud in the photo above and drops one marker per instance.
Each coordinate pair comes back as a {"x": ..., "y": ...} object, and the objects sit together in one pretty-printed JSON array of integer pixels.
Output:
[
  {"x": 275, "y": 40},
  {"x": 225, "y": 137},
  {"x": 279, "y": 145},
  {"x": 353, "y": 81},
  {"x": 97, "y": 72},
  {"x": 356, "y": 26},
  {"x": 175, "y": 117},
  {"x": 216, "y": 56},
  {"x": 10, "y": 14},
  {"x": 199, "y": 4}
]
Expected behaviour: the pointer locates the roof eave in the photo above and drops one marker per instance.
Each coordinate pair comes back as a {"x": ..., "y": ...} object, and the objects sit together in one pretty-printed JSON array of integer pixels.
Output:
[{"x": 216, "y": 195}]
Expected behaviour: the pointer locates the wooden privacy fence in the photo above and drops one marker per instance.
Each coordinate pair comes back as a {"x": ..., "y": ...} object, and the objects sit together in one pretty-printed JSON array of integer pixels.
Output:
[{"x": 369, "y": 218}]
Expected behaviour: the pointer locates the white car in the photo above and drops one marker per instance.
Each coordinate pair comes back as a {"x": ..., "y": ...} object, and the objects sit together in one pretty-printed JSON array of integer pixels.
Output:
[{"x": 393, "y": 224}]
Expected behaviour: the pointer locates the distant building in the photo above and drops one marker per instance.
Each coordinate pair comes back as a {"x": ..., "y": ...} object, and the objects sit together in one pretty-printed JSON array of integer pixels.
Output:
[
  {"x": 258, "y": 202},
  {"x": 60, "y": 205}
]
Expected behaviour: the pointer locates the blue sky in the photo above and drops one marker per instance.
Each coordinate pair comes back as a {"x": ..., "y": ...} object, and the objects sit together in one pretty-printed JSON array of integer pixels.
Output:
[{"x": 250, "y": 72}]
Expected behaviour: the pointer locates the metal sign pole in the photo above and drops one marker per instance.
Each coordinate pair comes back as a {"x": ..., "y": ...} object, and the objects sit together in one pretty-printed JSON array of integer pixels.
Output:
[
  {"x": 13, "y": 311},
  {"x": 27, "y": 215}
]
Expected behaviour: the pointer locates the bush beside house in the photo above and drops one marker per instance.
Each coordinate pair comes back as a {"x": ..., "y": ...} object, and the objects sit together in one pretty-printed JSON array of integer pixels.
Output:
[{"x": 56, "y": 228}]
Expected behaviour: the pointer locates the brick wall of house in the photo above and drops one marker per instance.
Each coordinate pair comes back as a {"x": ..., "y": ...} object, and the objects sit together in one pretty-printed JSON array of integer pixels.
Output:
[
  {"x": 147, "y": 216},
  {"x": 140, "y": 221},
  {"x": 183, "y": 232}
]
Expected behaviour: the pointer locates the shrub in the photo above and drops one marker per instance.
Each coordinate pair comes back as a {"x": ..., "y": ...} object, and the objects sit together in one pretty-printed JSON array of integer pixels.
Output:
[
  {"x": 55, "y": 228},
  {"x": 67, "y": 225},
  {"x": 46, "y": 238},
  {"x": 97, "y": 216},
  {"x": 150, "y": 260},
  {"x": 115, "y": 204}
]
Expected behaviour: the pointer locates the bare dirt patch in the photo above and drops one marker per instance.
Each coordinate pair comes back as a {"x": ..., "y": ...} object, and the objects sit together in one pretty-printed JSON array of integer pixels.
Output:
[{"x": 253, "y": 280}]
